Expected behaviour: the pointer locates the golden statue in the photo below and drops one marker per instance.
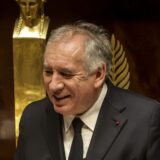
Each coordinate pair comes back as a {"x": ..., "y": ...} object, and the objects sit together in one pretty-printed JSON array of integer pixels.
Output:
[
  {"x": 29, "y": 38},
  {"x": 32, "y": 21}
]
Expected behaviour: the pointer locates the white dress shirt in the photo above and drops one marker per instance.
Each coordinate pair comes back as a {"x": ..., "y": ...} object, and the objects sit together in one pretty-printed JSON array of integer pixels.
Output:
[{"x": 89, "y": 119}]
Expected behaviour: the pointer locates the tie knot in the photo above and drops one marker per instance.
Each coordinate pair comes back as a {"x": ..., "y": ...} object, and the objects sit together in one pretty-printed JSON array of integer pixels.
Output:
[{"x": 77, "y": 125}]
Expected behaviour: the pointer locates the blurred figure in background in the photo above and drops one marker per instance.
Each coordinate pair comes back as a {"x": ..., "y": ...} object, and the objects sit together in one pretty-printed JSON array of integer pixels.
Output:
[{"x": 32, "y": 21}]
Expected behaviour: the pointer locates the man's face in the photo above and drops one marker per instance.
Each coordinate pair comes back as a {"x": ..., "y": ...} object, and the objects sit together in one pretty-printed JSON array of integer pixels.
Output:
[
  {"x": 69, "y": 88},
  {"x": 30, "y": 10}
]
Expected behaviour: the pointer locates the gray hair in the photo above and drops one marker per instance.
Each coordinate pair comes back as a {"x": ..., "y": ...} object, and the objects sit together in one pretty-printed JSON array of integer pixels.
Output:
[{"x": 97, "y": 44}]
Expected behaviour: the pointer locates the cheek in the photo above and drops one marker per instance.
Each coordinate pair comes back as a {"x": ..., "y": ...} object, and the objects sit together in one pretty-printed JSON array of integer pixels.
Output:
[
  {"x": 23, "y": 12},
  {"x": 34, "y": 12},
  {"x": 82, "y": 92},
  {"x": 46, "y": 82},
  {"x": 86, "y": 92}
]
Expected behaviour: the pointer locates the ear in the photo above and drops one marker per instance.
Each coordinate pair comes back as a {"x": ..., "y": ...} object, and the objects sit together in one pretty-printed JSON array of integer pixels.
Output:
[{"x": 100, "y": 76}]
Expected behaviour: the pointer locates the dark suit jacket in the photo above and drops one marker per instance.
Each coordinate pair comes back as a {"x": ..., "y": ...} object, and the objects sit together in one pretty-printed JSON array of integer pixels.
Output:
[{"x": 128, "y": 128}]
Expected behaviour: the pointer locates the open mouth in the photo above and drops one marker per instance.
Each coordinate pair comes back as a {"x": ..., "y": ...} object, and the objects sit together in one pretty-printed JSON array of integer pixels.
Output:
[{"x": 61, "y": 98}]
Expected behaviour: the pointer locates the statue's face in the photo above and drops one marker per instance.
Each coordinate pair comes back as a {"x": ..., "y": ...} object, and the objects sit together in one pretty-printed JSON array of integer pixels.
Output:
[{"x": 31, "y": 11}]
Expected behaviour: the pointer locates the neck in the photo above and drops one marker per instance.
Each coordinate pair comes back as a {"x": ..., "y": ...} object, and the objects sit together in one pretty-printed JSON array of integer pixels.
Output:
[{"x": 32, "y": 23}]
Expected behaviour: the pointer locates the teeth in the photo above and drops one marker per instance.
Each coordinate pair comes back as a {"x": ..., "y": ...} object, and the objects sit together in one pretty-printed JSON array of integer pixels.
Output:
[{"x": 59, "y": 98}]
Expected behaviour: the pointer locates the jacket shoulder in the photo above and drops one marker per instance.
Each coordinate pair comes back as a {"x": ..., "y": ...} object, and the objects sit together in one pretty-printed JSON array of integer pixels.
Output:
[
  {"x": 37, "y": 109},
  {"x": 129, "y": 97}
]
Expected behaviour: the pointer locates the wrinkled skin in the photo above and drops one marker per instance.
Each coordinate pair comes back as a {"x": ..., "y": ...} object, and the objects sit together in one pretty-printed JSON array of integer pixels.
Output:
[{"x": 69, "y": 87}]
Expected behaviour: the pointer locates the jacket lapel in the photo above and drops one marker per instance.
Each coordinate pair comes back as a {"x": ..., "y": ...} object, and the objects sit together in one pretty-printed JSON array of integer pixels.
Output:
[
  {"x": 110, "y": 123},
  {"x": 53, "y": 133}
]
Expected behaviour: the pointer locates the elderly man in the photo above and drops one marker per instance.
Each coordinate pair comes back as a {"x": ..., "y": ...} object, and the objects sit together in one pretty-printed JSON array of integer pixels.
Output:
[{"x": 83, "y": 116}]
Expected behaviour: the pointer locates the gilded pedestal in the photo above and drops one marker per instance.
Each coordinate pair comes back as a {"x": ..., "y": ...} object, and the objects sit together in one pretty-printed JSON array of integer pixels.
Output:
[{"x": 28, "y": 48}]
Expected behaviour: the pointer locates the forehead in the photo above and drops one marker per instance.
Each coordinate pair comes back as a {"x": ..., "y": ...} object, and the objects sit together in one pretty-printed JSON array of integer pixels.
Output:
[
  {"x": 68, "y": 51},
  {"x": 28, "y": 1},
  {"x": 69, "y": 45}
]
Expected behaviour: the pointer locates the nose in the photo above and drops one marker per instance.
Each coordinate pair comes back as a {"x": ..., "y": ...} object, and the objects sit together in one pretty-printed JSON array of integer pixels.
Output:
[
  {"x": 56, "y": 84},
  {"x": 27, "y": 8}
]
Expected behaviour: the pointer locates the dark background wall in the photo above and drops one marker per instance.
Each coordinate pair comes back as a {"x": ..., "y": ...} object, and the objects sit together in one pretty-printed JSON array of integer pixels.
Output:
[{"x": 135, "y": 23}]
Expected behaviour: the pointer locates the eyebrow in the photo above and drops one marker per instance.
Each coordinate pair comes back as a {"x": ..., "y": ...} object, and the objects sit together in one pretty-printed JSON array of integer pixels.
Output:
[
  {"x": 46, "y": 67},
  {"x": 64, "y": 70}
]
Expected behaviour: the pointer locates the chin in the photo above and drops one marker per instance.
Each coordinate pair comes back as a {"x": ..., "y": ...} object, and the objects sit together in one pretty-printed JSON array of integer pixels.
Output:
[{"x": 62, "y": 110}]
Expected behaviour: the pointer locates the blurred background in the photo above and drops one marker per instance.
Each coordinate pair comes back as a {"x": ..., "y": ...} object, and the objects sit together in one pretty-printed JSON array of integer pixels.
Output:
[{"x": 135, "y": 23}]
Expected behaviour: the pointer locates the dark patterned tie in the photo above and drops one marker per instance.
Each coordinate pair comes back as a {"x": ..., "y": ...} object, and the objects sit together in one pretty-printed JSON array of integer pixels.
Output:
[{"x": 76, "y": 152}]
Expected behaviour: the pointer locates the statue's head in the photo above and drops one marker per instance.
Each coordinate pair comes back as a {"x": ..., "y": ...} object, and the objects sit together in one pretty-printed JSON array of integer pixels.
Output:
[{"x": 31, "y": 11}]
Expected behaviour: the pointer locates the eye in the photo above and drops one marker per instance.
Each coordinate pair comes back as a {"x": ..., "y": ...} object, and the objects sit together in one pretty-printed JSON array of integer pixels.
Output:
[
  {"x": 23, "y": 4},
  {"x": 48, "y": 72},
  {"x": 32, "y": 4},
  {"x": 67, "y": 75}
]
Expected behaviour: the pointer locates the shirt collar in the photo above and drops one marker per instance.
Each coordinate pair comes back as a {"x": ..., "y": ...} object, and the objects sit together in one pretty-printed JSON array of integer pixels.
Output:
[
  {"x": 67, "y": 122},
  {"x": 90, "y": 117}
]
